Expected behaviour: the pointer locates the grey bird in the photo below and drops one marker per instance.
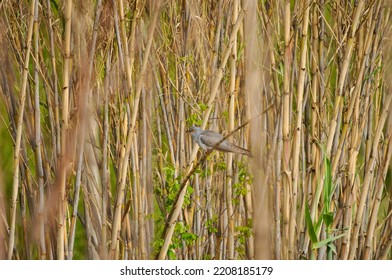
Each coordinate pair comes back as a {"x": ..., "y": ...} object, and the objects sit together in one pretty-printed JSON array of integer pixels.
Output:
[{"x": 207, "y": 139}]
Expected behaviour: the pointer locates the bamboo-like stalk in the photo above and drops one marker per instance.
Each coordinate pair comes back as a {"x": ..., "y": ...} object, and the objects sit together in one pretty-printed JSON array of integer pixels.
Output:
[
  {"x": 105, "y": 165},
  {"x": 76, "y": 200},
  {"x": 67, "y": 63},
  {"x": 19, "y": 129},
  {"x": 278, "y": 191},
  {"x": 286, "y": 110},
  {"x": 37, "y": 118},
  {"x": 65, "y": 123},
  {"x": 229, "y": 194},
  {"x": 148, "y": 174},
  {"x": 298, "y": 129}
]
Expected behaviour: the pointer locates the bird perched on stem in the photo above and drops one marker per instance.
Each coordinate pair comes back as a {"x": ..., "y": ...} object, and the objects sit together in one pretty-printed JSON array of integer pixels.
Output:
[{"x": 208, "y": 139}]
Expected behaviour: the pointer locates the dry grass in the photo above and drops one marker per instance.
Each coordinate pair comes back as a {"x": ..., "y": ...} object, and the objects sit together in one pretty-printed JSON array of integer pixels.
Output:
[{"x": 96, "y": 97}]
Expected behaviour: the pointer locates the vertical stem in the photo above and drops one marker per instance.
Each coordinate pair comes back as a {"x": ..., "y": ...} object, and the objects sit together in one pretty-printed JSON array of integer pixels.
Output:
[
  {"x": 37, "y": 118},
  {"x": 229, "y": 179},
  {"x": 105, "y": 167},
  {"x": 65, "y": 122},
  {"x": 298, "y": 129},
  {"x": 286, "y": 177},
  {"x": 19, "y": 128}
]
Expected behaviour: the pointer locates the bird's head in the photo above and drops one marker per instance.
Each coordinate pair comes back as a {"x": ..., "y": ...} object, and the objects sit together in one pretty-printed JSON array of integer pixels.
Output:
[{"x": 195, "y": 131}]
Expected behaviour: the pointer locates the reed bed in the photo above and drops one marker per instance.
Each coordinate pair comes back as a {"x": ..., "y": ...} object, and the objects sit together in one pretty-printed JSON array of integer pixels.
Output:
[{"x": 96, "y": 98}]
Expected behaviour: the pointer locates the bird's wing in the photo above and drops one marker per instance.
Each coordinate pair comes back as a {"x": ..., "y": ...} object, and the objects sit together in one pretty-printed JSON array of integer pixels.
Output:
[{"x": 210, "y": 138}]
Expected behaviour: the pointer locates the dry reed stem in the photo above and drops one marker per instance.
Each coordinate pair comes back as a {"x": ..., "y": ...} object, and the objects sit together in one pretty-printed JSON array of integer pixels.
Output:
[
  {"x": 19, "y": 129},
  {"x": 298, "y": 128},
  {"x": 286, "y": 111}
]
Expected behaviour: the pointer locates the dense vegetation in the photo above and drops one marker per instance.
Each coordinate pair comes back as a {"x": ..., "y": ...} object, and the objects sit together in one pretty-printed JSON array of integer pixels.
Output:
[{"x": 96, "y": 98}]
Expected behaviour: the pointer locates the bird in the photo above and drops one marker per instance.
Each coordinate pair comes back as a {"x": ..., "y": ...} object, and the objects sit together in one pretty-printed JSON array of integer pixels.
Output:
[{"x": 207, "y": 139}]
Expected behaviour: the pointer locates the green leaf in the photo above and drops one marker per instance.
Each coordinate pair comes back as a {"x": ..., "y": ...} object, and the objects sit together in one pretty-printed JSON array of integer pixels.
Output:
[
  {"x": 171, "y": 255},
  {"x": 202, "y": 107},
  {"x": 189, "y": 238},
  {"x": 309, "y": 223},
  {"x": 222, "y": 165},
  {"x": 190, "y": 190},
  {"x": 328, "y": 218},
  {"x": 332, "y": 247},
  {"x": 324, "y": 242},
  {"x": 319, "y": 221},
  {"x": 327, "y": 183}
]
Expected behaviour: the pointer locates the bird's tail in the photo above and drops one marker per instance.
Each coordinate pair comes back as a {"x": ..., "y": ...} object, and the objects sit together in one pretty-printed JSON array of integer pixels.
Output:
[{"x": 245, "y": 152}]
